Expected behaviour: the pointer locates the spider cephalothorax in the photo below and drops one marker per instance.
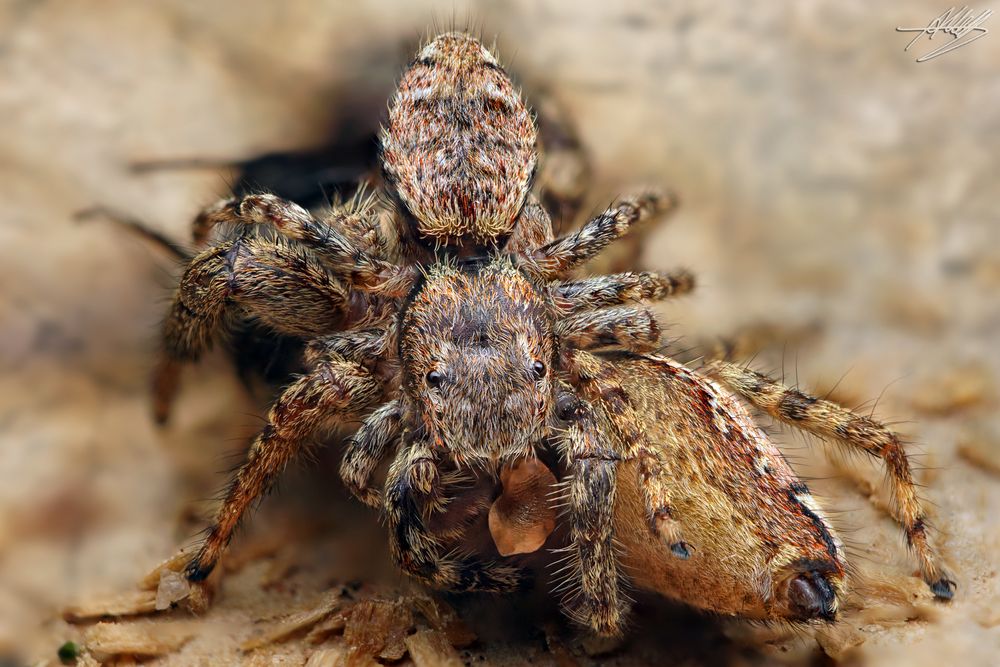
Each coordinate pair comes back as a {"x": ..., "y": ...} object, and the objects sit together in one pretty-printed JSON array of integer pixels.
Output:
[{"x": 476, "y": 345}]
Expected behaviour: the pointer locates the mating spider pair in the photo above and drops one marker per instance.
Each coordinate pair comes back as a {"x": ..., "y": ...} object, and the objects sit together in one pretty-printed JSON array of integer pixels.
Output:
[{"x": 461, "y": 340}]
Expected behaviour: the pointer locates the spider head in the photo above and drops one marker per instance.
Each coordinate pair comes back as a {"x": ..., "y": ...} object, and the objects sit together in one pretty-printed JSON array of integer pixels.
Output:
[
  {"x": 458, "y": 149},
  {"x": 477, "y": 347}
]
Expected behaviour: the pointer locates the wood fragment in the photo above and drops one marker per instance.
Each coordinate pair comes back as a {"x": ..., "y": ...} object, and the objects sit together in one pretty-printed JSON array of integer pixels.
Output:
[
  {"x": 140, "y": 638},
  {"x": 132, "y": 603},
  {"x": 334, "y": 656},
  {"x": 176, "y": 563},
  {"x": 377, "y": 628},
  {"x": 167, "y": 579},
  {"x": 332, "y": 625},
  {"x": 87, "y": 660},
  {"x": 293, "y": 624},
  {"x": 442, "y": 617},
  {"x": 431, "y": 648}
]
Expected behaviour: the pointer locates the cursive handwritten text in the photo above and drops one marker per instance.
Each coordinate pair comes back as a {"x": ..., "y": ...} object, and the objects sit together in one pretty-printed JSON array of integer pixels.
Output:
[{"x": 963, "y": 26}]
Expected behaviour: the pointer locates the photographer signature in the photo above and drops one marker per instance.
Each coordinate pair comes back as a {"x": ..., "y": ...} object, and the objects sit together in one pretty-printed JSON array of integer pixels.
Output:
[{"x": 961, "y": 24}]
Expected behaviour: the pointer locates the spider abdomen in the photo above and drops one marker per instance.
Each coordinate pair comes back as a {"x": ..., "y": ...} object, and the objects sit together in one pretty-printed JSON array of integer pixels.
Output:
[{"x": 459, "y": 146}]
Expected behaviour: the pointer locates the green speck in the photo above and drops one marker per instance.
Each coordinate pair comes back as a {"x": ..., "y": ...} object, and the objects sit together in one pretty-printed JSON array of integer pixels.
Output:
[{"x": 68, "y": 652}]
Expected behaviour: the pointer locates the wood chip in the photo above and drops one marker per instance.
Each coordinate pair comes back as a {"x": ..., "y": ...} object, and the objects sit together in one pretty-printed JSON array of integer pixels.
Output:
[
  {"x": 442, "y": 617},
  {"x": 142, "y": 638},
  {"x": 167, "y": 579},
  {"x": 431, "y": 648},
  {"x": 335, "y": 656},
  {"x": 175, "y": 563},
  {"x": 293, "y": 624},
  {"x": 887, "y": 615},
  {"x": 522, "y": 518},
  {"x": 124, "y": 604},
  {"x": 87, "y": 660},
  {"x": 360, "y": 660},
  {"x": 377, "y": 628},
  {"x": 330, "y": 626}
]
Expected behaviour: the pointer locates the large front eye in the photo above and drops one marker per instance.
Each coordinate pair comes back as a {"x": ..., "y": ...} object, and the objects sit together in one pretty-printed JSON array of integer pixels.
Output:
[
  {"x": 538, "y": 369},
  {"x": 434, "y": 379}
]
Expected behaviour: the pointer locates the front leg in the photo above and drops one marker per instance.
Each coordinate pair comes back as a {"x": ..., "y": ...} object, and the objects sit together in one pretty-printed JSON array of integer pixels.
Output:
[
  {"x": 367, "y": 449},
  {"x": 592, "y": 470},
  {"x": 333, "y": 390},
  {"x": 338, "y": 251},
  {"x": 279, "y": 284},
  {"x": 414, "y": 478}
]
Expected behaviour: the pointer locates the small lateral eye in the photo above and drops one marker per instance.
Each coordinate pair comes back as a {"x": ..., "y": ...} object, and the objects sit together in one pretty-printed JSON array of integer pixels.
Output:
[
  {"x": 434, "y": 379},
  {"x": 567, "y": 406},
  {"x": 538, "y": 368}
]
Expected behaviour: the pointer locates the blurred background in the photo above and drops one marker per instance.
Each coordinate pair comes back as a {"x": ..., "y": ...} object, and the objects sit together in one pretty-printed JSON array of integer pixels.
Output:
[{"x": 838, "y": 203}]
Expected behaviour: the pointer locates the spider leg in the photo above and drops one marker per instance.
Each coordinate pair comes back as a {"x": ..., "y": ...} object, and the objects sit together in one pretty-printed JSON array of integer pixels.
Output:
[
  {"x": 564, "y": 180},
  {"x": 359, "y": 345},
  {"x": 367, "y": 449},
  {"x": 625, "y": 423},
  {"x": 660, "y": 513},
  {"x": 334, "y": 390},
  {"x": 598, "y": 292},
  {"x": 592, "y": 471},
  {"x": 336, "y": 249},
  {"x": 414, "y": 477},
  {"x": 533, "y": 228},
  {"x": 556, "y": 259},
  {"x": 633, "y": 328},
  {"x": 829, "y": 420},
  {"x": 281, "y": 285}
]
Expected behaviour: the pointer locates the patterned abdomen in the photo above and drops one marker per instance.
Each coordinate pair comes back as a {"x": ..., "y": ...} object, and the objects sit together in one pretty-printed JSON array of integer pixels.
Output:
[{"x": 459, "y": 147}]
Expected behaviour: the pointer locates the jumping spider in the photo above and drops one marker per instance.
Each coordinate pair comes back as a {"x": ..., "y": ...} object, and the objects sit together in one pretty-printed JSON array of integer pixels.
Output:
[{"x": 458, "y": 338}]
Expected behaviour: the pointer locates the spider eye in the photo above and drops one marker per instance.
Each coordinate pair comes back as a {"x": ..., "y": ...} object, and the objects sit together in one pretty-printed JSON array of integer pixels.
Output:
[
  {"x": 567, "y": 406},
  {"x": 434, "y": 379},
  {"x": 538, "y": 368}
]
